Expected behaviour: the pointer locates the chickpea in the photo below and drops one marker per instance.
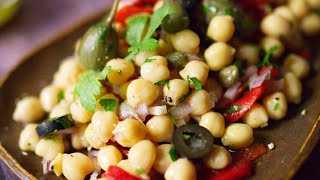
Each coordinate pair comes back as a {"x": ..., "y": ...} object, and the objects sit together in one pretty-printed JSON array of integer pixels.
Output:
[
  {"x": 29, "y": 138},
  {"x": 181, "y": 169},
  {"x": 214, "y": 122},
  {"x": 165, "y": 47},
  {"x": 200, "y": 102},
  {"x": 175, "y": 91},
  {"x": 121, "y": 70},
  {"x": 163, "y": 159},
  {"x": 237, "y": 136},
  {"x": 69, "y": 95},
  {"x": 214, "y": 86},
  {"x": 197, "y": 69},
  {"x": 221, "y": 28},
  {"x": 79, "y": 113},
  {"x": 219, "y": 55},
  {"x": 129, "y": 131},
  {"x": 275, "y": 25},
  {"x": 126, "y": 165},
  {"x": 142, "y": 56},
  {"x": 63, "y": 108},
  {"x": 154, "y": 72},
  {"x": 256, "y": 117},
  {"x": 92, "y": 138},
  {"x": 142, "y": 155},
  {"x": 310, "y": 24},
  {"x": 99, "y": 107},
  {"x": 78, "y": 139},
  {"x": 276, "y": 105},
  {"x": 123, "y": 90},
  {"x": 249, "y": 53},
  {"x": 141, "y": 91},
  {"x": 28, "y": 109},
  {"x": 229, "y": 75},
  {"x": 50, "y": 147},
  {"x": 299, "y": 8},
  {"x": 269, "y": 42},
  {"x": 160, "y": 128},
  {"x": 159, "y": 60},
  {"x": 103, "y": 123},
  {"x": 297, "y": 65},
  {"x": 186, "y": 41},
  {"x": 292, "y": 88},
  {"x": 285, "y": 12},
  {"x": 76, "y": 166},
  {"x": 68, "y": 73},
  {"x": 218, "y": 158},
  {"x": 314, "y": 4},
  {"x": 108, "y": 156},
  {"x": 49, "y": 97},
  {"x": 56, "y": 164}
]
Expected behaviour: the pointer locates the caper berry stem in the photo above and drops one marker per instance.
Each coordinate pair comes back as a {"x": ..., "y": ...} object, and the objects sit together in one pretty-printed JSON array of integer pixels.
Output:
[{"x": 109, "y": 20}]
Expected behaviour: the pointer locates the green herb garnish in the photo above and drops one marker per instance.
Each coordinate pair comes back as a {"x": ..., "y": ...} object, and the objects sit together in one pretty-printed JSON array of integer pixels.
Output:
[
  {"x": 233, "y": 109},
  {"x": 108, "y": 104},
  {"x": 267, "y": 57},
  {"x": 186, "y": 137},
  {"x": 276, "y": 107},
  {"x": 60, "y": 95},
  {"x": 196, "y": 82},
  {"x": 168, "y": 85},
  {"x": 159, "y": 83},
  {"x": 174, "y": 121},
  {"x": 228, "y": 11},
  {"x": 148, "y": 60},
  {"x": 173, "y": 154},
  {"x": 136, "y": 26},
  {"x": 139, "y": 171}
]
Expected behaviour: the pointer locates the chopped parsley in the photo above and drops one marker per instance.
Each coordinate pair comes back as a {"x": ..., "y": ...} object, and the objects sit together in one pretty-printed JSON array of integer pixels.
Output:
[
  {"x": 60, "y": 95},
  {"x": 209, "y": 8},
  {"x": 139, "y": 171},
  {"x": 228, "y": 11},
  {"x": 276, "y": 107},
  {"x": 233, "y": 109},
  {"x": 174, "y": 121},
  {"x": 196, "y": 82},
  {"x": 108, "y": 104},
  {"x": 186, "y": 137},
  {"x": 173, "y": 154},
  {"x": 267, "y": 57},
  {"x": 148, "y": 60},
  {"x": 159, "y": 83},
  {"x": 168, "y": 85}
]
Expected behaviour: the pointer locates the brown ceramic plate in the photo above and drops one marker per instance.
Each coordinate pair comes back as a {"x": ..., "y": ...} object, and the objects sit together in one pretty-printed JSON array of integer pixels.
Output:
[{"x": 294, "y": 137}]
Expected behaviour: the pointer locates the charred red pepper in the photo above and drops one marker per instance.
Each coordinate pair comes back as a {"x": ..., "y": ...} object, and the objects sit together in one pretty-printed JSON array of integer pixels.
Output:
[
  {"x": 124, "y": 13},
  {"x": 242, "y": 105},
  {"x": 116, "y": 173}
]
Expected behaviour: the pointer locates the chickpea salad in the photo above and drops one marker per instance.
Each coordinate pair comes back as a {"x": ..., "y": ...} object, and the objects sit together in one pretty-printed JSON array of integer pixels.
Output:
[{"x": 171, "y": 89}]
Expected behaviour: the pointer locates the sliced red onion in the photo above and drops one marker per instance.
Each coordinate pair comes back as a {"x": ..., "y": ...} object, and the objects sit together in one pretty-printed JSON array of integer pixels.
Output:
[
  {"x": 93, "y": 153},
  {"x": 158, "y": 110},
  {"x": 232, "y": 91},
  {"x": 115, "y": 89},
  {"x": 181, "y": 110},
  {"x": 143, "y": 111},
  {"x": 94, "y": 176},
  {"x": 193, "y": 57},
  {"x": 250, "y": 71},
  {"x": 126, "y": 111},
  {"x": 257, "y": 80},
  {"x": 46, "y": 166}
]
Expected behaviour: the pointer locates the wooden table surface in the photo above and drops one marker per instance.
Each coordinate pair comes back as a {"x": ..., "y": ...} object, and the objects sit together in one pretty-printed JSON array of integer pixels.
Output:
[{"x": 26, "y": 33}]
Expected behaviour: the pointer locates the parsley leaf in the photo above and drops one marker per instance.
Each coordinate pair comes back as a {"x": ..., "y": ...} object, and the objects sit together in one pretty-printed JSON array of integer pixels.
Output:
[
  {"x": 60, "y": 95},
  {"x": 233, "y": 109},
  {"x": 228, "y": 11},
  {"x": 268, "y": 55},
  {"x": 196, "y": 82},
  {"x": 139, "y": 171},
  {"x": 186, "y": 137},
  {"x": 148, "y": 45},
  {"x": 276, "y": 106},
  {"x": 136, "y": 26},
  {"x": 168, "y": 85},
  {"x": 159, "y": 83},
  {"x": 173, "y": 154},
  {"x": 148, "y": 60},
  {"x": 108, "y": 104},
  {"x": 89, "y": 86}
]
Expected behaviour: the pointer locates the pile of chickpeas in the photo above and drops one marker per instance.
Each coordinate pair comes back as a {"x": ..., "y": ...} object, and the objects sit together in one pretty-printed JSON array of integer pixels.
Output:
[{"x": 149, "y": 142}]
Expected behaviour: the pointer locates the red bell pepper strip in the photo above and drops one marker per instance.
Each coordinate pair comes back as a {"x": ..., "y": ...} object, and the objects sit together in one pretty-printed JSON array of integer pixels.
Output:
[
  {"x": 305, "y": 53},
  {"x": 145, "y": 2},
  {"x": 116, "y": 173},
  {"x": 253, "y": 152},
  {"x": 273, "y": 71},
  {"x": 124, "y": 13},
  {"x": 244, "y": 103},
  {"x": 239, "y": 169}
]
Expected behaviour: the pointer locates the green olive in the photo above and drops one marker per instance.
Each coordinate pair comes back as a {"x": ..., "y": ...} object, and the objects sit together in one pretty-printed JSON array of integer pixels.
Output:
[
  {"x": 229, "y": 75},
  {"x": 177, "y": 60},
  {"x": 177, "y": 21},
  {"x": 7, "y": 10},
  {"x": 192, "y": 141},
  {"x": 100, "y": 43}
]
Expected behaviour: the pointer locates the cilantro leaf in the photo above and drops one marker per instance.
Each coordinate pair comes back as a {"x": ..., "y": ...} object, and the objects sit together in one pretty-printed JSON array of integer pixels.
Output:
[
  {"x": 89, "y": 86},
  {"x": 108, "y": 104},
  {"x": 186, "y": 137},
  {"x": 276, "y": 106},
  {"x": 168, "y": 85},
  {"x": 228, "y": 11},
  {"x": 139, "y": 171},
  {"x": 233, "y": 109},
  {"x": 136, "y": 26},
  {"x": 173, "y": 154},
  {"x": 148, "y": 45},
  {"x": 159, "y": 83},
  {"x": 196, "y": 82},
  {"x": 268, "y": 55},
  {"x": 148, "y": 60},
  {"x": 156, "y": 20},
  {"x": 60, "y": 95}
]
